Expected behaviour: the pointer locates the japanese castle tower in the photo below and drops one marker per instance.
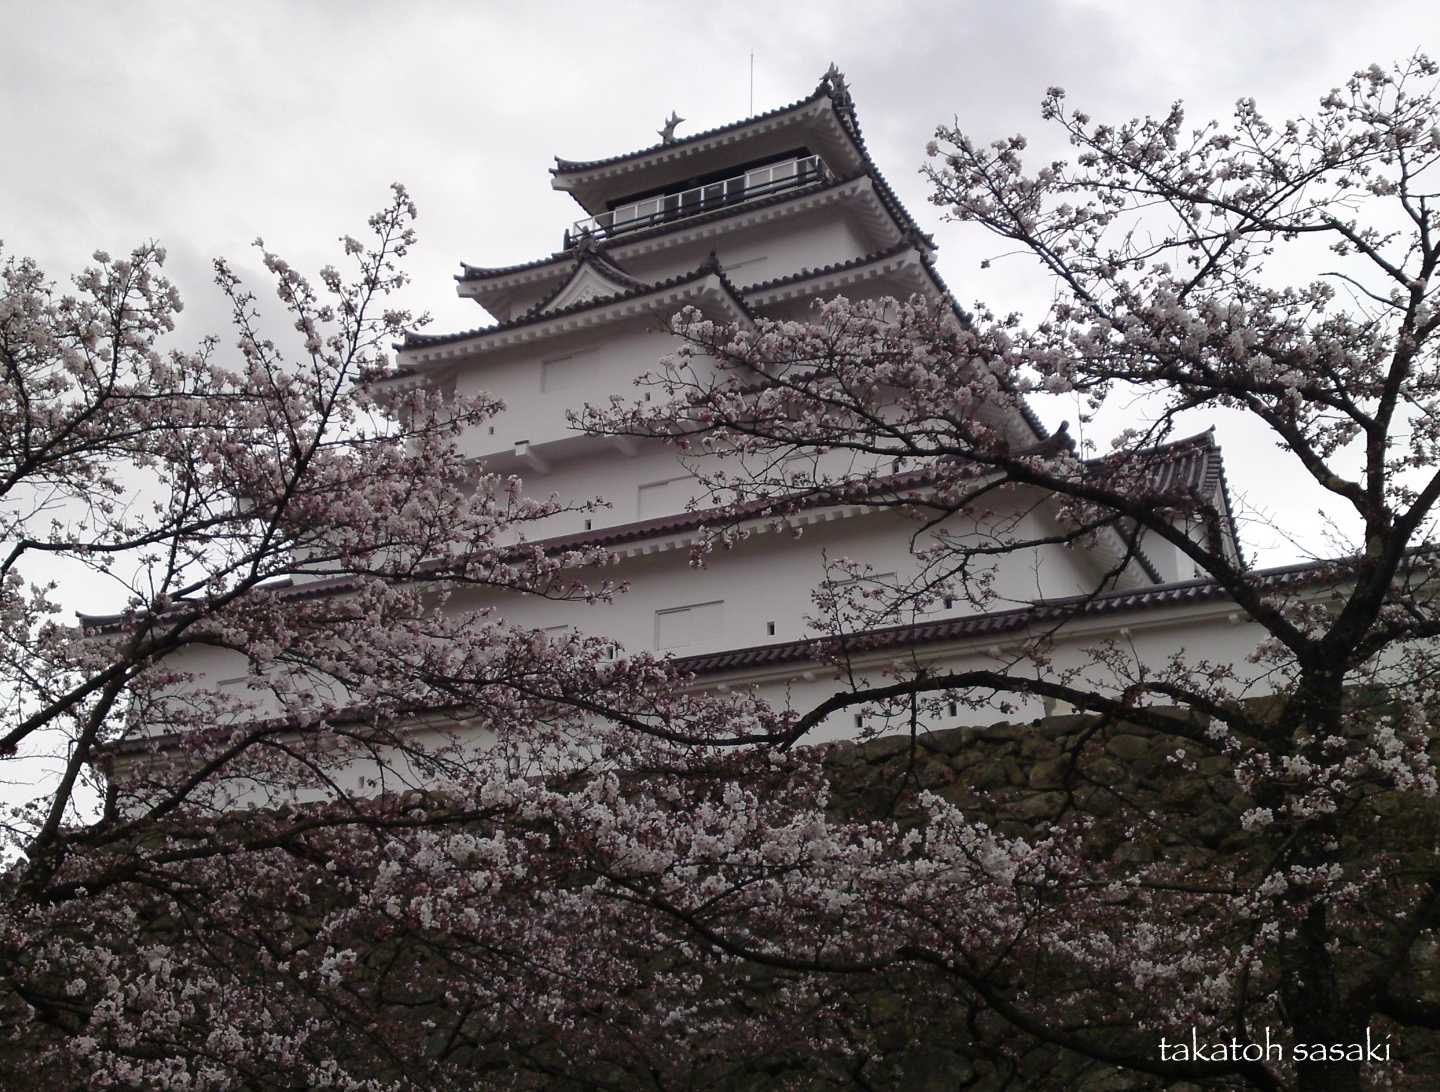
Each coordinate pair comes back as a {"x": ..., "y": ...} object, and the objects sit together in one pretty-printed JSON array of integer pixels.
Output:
[{"x": 761, "y": 217}]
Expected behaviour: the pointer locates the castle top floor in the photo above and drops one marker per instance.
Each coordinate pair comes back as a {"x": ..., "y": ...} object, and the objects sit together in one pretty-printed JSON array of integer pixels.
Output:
[
  {"x": 776, "y": 194},
  {"x": 817, "y": 133},
  {"x": 808, "y": 141}
]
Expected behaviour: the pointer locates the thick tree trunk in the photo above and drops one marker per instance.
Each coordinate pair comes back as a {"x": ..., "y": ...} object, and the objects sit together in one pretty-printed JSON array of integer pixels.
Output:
[{"x": 1311, "y": 982}]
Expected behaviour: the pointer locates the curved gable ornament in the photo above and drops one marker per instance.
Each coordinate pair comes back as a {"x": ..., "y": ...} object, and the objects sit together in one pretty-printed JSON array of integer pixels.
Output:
[{"x": 587, "y": 283}]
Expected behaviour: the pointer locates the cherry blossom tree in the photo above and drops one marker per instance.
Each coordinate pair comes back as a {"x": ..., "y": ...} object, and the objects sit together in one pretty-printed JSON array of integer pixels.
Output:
[
  {"x": 1282, "y": 270},
  {"x": 219, "y": 501},
  {"x": 469, "y": 854}
]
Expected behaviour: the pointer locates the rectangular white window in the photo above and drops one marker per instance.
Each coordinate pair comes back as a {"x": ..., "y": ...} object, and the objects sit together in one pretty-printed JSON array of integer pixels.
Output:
[
  {"x": 560, "y": 373},
  {"x": 856, "y": 588},
  {"x": 747, "y": 263},
  {"x": 681, "y": 629},
  {"x": 665, "y": 498}
]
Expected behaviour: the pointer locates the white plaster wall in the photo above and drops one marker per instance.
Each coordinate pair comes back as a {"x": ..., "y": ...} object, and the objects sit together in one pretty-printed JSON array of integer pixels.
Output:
[
  {"x": 649, "y": 479},
  {"x": 1205, "y": 632},
  {"x": 770, "y": 579},
  {"x": 764, "y": 587},
  {"x": 762, "y": 252},
  {"x": 229, "y": 676},
  {"x": 539, "y": 383},
  {"x": 801, "y": 308}
]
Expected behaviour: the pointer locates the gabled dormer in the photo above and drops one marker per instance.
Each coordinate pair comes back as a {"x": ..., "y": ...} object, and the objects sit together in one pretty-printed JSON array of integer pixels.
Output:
[
  {"x": 594, "y": 277},
  {"x": 603, "y": 294}
]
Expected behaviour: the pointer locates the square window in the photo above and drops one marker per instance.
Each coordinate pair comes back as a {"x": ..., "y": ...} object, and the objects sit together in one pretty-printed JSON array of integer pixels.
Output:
[
  {"x": 688, "y": 627},
  {"x": 664, "y": 498}
]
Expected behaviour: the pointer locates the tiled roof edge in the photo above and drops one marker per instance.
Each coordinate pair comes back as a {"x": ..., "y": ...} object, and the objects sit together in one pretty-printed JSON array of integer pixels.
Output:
[
  {"x": 486, "y": 272},
  {"x": 580, "y": 166},
  {"x": 810, "y": 273},
  {"x": 1178, "y": 593},
  {"x": 705, "y": 269}
]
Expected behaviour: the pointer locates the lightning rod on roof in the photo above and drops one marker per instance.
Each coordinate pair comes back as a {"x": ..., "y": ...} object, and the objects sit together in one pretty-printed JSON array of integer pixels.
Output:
[{"x": 752, "y": 81}]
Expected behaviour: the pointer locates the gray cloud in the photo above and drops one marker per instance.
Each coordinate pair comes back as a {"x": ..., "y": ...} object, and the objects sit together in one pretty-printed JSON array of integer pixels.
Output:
[{"x": 204, "y": 124}]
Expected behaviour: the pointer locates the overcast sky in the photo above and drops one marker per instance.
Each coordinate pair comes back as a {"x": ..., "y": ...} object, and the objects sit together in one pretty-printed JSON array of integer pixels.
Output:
[{"x": 204, "y": 124}]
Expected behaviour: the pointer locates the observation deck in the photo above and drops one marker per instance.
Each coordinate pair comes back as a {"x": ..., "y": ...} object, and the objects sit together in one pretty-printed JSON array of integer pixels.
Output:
[{"x": 757, "y": 182}]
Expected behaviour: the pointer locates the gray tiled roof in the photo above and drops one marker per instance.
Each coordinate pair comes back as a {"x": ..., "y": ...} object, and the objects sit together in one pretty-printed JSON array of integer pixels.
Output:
[
  {"x": 578, "y": 166},
  {"x": 533, "y": 315}
]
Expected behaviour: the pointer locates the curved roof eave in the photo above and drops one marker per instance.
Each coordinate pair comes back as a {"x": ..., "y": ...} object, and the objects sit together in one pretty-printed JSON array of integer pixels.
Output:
[
  {"x": 575, "y": 167},
  {"x": 707, "y": 269}
]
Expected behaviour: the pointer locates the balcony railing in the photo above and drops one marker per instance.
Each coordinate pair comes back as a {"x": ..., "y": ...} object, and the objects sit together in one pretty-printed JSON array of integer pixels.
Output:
[{"x": 664, "y": 208}]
